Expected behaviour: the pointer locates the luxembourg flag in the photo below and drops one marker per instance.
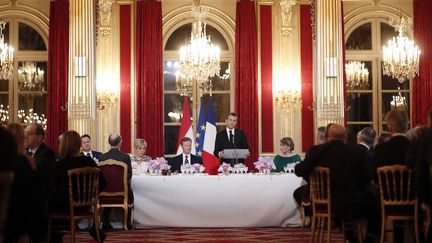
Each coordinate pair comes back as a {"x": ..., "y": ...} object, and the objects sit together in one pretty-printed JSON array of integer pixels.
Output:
[
  {"x": 186, "y": 126},
  {"x": 211, "y": 162}
]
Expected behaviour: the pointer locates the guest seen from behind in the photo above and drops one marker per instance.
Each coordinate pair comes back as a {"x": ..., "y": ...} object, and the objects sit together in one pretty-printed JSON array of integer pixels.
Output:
[
  {"x": 184, "y": 158},
  {"x": 72, "y": 159},
  {"x": 115, "y": 141},
  {"x": 287, "y": 156}
]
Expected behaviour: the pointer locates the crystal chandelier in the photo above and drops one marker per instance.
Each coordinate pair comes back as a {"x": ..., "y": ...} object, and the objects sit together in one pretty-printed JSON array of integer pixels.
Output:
[
  {"x": 398, "y": 102},
  {"x": 401, "y": 55},
  {"x": 30, "y": 76},
  {"x": 357, "y": 75},
  {"x": 6, "y": 56},
  {"x": 199, "y": 59}
]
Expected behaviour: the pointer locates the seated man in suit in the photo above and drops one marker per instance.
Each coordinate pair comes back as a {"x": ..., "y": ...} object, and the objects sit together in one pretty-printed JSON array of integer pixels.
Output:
[
  {"x": 349, "y": 175},
  {"x": 45, "y": 167},
  {"x": 395, "y": 150},
  {"x": 115, "y": 141},
  {"x": 230, "y": 138},
  {"x": 366, "y": 140},
  {"x": 86, "y": 148},
  {"x": 184, "y": 158}
]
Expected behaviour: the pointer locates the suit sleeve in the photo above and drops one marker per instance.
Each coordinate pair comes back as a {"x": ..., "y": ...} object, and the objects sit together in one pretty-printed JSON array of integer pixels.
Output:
[
  {"x": 218, "y": 146},
  {"x": 245, "y": 144},
  {"x": 129, "y": 165},
  {"x": 304, "y": 168}
]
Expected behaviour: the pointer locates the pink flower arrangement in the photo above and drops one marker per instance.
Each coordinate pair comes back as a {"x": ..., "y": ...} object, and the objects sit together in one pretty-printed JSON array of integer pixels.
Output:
[
  {"x": 158, "y": 164},
  {"x": 225, "y": 168},
  {"x": 198, "y": 168},
  {"x": 264, "y": 164}
]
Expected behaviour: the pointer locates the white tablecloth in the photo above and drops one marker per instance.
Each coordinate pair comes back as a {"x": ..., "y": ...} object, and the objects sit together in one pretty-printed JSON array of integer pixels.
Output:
[{"x": 216, "y": 201}]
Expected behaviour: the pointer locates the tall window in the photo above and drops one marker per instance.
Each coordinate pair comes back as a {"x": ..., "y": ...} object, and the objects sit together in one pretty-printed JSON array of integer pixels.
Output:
[
  {"x": 23, "y": 98},
  {"x": 368, "y": 103},
  {"x": 223, "y": 85}
]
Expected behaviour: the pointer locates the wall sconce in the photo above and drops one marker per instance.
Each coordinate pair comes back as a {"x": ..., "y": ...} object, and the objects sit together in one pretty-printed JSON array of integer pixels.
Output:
[
  {"x": 287, "y": 100},
  {"x": 106, "y": 93},
  {"x": 106, "y": 99},
  {"x": 80, "y": 66}
]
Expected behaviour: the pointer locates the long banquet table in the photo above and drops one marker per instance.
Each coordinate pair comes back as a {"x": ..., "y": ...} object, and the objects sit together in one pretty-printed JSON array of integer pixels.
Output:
[{"x": 216, "y": 201}]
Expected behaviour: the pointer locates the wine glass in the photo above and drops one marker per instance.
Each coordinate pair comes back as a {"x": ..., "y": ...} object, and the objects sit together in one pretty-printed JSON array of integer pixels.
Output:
[{"x": 285, "y": 169}]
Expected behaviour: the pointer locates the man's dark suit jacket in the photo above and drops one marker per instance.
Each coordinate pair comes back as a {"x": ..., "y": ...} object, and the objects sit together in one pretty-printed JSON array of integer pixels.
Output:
[
  {"x": 349, "y": 176},
  {"x": 45, "y": 166},
  {"x": 176, "y": 162},
  {"x": 95, "y": 154},
  {"x": 370, "y": 160},
  {"x": 222, "y": 142},
  {"x": 115, "y": 154},
  {"x": 392, "y": 152}
]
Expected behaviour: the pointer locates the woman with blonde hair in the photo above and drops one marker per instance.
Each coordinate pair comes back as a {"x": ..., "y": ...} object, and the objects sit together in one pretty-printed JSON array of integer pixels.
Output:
[
  {"x": 286, "y": 156},
  {"x": 139, "y": 160}
]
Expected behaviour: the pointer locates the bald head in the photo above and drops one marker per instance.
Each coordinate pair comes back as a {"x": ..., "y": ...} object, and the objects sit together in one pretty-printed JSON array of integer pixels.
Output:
[
  {"x": 115, "y": 140},
  {"x": 336, "y": 132}
]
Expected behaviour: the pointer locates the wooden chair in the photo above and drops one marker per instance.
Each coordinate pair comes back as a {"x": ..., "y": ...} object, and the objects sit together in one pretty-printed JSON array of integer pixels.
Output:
[
  {"x": 398, "y": 201},
  {"x": 321, "y": 203},
  {"x": 115, "y": 194},
  {"x": 83, "y": 192},
  {"x": 6, "y": 179},
  {"x": 304, "y": 203}
]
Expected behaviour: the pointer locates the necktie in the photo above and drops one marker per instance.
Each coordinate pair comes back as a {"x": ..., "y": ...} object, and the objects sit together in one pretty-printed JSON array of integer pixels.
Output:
[
  {"x": 88, "y": 155},
  {"x": 186, "y": 160},
  {"x": 231, "y": 136}
]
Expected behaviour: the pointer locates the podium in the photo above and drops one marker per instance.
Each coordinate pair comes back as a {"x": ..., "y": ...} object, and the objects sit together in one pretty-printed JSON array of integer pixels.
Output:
[{"x": 235, "y": 155}]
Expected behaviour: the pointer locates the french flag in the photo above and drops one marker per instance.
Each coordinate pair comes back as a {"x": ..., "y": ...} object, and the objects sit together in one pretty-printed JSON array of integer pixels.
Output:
[
  {"x": 211, "y": 162},
  {"x": 186, "y": 127}
]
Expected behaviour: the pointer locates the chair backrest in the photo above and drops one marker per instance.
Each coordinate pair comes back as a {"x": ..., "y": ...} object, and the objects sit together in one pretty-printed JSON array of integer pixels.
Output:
[
  {"x": 6, "y": 179},
  {"x": 83, "y": 187},
  {"x": 115, "y": 173},
  {"x": 396, "y": 185},
  {"x": 320, "y": 188}
]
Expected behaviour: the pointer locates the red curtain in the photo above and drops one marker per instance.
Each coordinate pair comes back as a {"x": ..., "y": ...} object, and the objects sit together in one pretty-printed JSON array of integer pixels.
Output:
[
  {"x": 149, "y": 86},
  {"x": 58, "y": 61},
  {"x": 306, "y": 55},
  {"x": 422, "y": 85},
  {"x": 246, "y": 63}
]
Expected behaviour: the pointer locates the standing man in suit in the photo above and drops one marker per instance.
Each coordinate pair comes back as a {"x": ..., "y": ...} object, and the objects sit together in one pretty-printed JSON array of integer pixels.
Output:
[
  {"x": 184, "y": 158},
  {"x": 115, "y": 141},
  {"x": 45, "y": 166},
  {"x": 230, "y": 138},
  {"x": 86, "y": 148}
]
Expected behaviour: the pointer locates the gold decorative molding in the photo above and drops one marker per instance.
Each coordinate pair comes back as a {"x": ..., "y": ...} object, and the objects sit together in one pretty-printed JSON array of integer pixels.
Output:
[
  {"x": 286, "y": 7},
  {"x": 104, "y": 17}
]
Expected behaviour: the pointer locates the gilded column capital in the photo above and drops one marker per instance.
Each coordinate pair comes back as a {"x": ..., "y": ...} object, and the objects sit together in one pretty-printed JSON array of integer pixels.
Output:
[
  {"x": 286, "y": 7},
  {"x": 104, "y": 17}
]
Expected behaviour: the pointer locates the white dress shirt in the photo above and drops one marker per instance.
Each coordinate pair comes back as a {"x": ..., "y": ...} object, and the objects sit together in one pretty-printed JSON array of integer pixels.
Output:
[
  {"x": 188, "y": 157},
  {"x": 228, "y": 132},
  {"x": 88, "y": 153}
]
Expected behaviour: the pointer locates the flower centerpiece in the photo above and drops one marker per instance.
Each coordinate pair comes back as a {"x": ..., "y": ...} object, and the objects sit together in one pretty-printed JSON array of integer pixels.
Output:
[
  {"x": 225, "y": 168},
  {"x": 198, "y": 168},
  {"x": 265, "y": 165},
  {"x": 158, "y": 165}
]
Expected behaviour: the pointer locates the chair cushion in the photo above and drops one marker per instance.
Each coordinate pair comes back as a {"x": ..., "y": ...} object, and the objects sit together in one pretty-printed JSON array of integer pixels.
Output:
[
  {"x": 114, "y": 176},
  {"x": 113, "y": 200}
]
